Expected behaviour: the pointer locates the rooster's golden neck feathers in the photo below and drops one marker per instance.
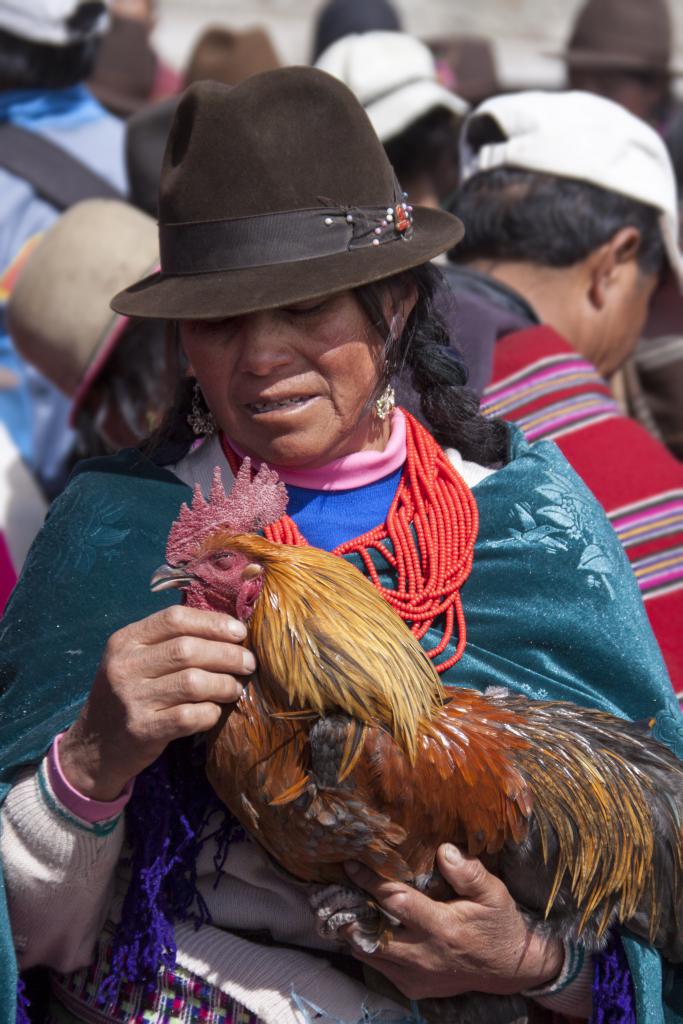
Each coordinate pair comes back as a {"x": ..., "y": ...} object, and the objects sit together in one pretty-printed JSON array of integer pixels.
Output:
[{"x": 311, "y": 627}]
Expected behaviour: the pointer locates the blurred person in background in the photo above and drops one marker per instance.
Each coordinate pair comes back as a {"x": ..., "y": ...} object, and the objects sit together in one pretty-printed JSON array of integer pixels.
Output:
[
  {"x": 112, "y": 369},
  {"x": 339, "y": 18},
  {"x": 416, "y": 118},
  {"x": 228, "y": 56},
  {"x": 622, "y": 49},
  {"x": 58, "y": 145},
  {"x": 466, "y": 65},
  {"x": 571, "y": 221},
  {"x": 128, "y": 73},
  {"x": 221, "y": 54}
]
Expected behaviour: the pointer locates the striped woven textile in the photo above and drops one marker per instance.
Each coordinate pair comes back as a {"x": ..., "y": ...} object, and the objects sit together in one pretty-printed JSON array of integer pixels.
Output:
[
  {"x": 552, "y": 393},
  {"x": 178, "y": 997}
]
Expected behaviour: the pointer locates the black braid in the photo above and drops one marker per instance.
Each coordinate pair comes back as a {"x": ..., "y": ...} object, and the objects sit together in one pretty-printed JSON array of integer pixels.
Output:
[{"x": 425, "y": 357}]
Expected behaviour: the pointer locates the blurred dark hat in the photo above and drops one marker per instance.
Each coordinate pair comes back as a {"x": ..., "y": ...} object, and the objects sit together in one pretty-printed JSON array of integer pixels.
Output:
[
  {"x": 339, "y": 18},
  {"x": 125, "y": 67},
  {"x": 146, "y": 137},
  {"x": 466, "y": 64},
  {"x": 273, "y": 192},
  {"x": 229, "y": 57},
  {"x": 622, "y": 35}
]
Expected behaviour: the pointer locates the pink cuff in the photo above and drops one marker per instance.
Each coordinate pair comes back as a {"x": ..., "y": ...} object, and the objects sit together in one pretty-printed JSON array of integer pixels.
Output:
[{"x": 81, "y": 806}]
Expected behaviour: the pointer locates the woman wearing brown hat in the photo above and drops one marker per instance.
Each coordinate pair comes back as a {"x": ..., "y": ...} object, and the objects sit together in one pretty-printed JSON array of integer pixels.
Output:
[{"x": 300, "y": 282}]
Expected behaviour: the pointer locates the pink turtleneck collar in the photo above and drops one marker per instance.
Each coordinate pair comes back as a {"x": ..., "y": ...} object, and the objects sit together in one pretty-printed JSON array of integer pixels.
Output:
[{"x": 356, "y": 470}]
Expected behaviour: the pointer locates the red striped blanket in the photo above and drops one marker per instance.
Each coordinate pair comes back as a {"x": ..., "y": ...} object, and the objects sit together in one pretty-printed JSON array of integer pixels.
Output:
[{"x": 552, "y": 393}]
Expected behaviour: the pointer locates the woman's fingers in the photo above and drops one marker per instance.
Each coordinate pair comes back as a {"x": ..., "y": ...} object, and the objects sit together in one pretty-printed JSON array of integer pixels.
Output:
[
  {"x": 187, "y": 719},
  {"x": 194, "y": 686},
  {"x": 187, "y": 652},
  {"x": 468, "y": 877},
  {"x": 179, "y": 620},
  {"x": 406, "y": 904}
]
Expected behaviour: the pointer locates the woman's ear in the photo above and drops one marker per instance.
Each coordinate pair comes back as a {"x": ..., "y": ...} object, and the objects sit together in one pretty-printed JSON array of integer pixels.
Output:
[
  {"x": 606, "y": 265},
  {"x": 174, "y": 343},
  {"x": 402, "y": 306}
]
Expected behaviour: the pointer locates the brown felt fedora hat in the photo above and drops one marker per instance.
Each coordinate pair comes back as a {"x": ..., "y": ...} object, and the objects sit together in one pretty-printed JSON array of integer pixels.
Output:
[
  {"x": 275, "y": 192},
  {"x": 621, "y": 35}
]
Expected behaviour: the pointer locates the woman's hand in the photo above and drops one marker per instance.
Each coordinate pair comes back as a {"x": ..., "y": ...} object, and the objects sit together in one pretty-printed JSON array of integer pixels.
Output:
[
  {"x": 477, "y": 943},
  {"x": 166, "y": 676}
]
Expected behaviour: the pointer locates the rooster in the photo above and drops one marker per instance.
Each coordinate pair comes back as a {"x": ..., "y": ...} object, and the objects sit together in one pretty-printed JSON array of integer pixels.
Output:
[{"x": 345, "y": 746}]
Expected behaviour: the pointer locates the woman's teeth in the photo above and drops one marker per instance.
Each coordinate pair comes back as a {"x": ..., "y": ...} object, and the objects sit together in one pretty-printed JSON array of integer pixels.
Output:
[{"x": 269, "y": 406}]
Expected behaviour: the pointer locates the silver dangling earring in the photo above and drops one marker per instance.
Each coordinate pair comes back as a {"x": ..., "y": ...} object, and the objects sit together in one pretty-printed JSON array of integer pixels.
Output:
[
  {"x": 200, "y": 419},
  {"x": 385, "y": 403}
]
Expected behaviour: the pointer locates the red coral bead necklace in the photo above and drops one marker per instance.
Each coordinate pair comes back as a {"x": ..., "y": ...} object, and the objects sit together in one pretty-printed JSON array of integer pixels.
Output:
[{"x": 433, "y": 559}]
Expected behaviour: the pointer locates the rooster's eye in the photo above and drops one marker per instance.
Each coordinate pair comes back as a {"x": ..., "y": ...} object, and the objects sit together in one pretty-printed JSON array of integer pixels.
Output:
[{"x": 224, "y": 561}]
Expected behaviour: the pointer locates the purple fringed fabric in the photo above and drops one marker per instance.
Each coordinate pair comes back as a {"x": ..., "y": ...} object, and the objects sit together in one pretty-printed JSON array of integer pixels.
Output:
[
  {"x": 171, "y": 807},
  {"x": 23, "y": 1004},
  {"x": 613, "y": 996}
]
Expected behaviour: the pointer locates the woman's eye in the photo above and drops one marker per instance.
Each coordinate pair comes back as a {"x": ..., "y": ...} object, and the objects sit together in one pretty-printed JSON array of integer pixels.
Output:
[{"x": 299, "y": 311}]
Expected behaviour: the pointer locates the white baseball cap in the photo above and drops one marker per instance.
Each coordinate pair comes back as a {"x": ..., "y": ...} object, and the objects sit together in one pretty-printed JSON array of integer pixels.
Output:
[
  {"x": 581, "y": 136},
  {"x": 54, "y": 22},
  {"x": 394, "y": 77}
]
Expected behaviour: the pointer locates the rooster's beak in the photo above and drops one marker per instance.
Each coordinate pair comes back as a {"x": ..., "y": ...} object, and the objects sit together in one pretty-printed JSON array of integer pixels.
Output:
[
  {"x": 167, "y": 576},
  {"x": 251, "y": 571}
]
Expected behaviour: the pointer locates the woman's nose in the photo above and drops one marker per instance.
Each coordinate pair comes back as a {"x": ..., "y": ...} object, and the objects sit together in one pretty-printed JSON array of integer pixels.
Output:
[{"x": 266, "y": 345}]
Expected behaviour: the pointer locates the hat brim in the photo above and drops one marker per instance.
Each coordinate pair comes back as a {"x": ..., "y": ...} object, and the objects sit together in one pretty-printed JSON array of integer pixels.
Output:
[
  {"x": 226, "y": 293},
  {"x": 598, "y": 59}
]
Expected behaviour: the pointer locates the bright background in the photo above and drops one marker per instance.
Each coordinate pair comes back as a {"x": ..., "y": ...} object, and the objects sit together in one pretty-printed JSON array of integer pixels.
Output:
[{"x": 522, "y": 30}]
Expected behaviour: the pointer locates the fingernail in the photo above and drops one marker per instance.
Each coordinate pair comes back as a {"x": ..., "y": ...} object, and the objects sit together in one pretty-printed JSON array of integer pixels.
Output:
[
  {"x": 352, "y": 867},
  {"x": 248, "y": 661},
  {"x": 452, "y": 854},
  {"x": 237, "y": 629}
]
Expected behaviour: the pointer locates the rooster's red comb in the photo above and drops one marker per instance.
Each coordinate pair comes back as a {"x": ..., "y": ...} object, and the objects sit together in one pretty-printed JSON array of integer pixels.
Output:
[{"x": 250, "y": 505}]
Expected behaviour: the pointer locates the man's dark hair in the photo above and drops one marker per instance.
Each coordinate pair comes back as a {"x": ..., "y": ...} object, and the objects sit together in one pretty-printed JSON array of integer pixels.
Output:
[
  {"x": 28, "y": 65},
  {"x": 512, "y": 214},
  {"x": 427, "y": 146}
]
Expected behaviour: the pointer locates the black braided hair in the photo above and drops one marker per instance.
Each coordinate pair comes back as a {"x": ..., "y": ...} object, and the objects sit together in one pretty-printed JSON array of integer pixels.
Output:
[{"x": 427, "y": 371}]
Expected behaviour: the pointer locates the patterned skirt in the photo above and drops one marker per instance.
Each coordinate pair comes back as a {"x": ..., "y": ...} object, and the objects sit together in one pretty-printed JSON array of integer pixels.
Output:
[{"x": 178, "y": 997}]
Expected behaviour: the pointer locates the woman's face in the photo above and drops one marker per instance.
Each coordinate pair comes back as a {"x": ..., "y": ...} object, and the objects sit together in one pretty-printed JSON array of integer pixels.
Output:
[{"x": 292, "y": 386}]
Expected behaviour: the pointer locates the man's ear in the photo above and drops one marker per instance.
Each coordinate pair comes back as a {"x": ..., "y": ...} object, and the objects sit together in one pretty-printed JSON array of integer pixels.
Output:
[{"x": 604, "y": 265}]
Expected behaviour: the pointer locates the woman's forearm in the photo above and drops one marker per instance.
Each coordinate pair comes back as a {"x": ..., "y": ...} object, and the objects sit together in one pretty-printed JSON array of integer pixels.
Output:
[{"x": 59, "y": 874}]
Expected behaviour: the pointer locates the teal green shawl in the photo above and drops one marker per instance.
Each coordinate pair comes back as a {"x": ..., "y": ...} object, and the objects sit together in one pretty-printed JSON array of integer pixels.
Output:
[{"x": 552, "y": 611}]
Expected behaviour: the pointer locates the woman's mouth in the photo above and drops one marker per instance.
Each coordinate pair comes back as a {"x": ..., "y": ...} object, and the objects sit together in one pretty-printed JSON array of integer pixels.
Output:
[{"x": 259, "y": 408}]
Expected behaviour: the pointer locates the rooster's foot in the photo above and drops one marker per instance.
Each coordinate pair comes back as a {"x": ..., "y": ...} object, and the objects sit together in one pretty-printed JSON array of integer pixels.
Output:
[{"x": 338, "y": 905}]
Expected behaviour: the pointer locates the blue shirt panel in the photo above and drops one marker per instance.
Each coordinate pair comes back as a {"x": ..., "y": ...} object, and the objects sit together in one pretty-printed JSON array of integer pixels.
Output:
[{"x": 329, "y": 518}]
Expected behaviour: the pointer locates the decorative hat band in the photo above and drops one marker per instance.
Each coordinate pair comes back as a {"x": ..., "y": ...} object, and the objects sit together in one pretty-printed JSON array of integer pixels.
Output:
[{"x": 273, "y": 238}]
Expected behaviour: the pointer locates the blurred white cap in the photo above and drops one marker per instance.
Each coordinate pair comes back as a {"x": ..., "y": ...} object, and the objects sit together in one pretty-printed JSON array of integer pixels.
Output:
[
  {"x": 581, "y": 136},
  {"x": 394, "y": 77},
  {"x": 54, "y": 22}
]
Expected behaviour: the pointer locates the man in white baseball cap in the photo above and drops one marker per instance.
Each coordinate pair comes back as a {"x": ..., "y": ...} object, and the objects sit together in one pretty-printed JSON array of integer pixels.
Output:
[
  {"x": 571, "y": 216},
  {"x": 57, "y": 146}
]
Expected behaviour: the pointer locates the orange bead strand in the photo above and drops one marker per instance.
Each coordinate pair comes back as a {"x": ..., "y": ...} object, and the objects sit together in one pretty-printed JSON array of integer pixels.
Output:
[{"x": 433, "y": 563}]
